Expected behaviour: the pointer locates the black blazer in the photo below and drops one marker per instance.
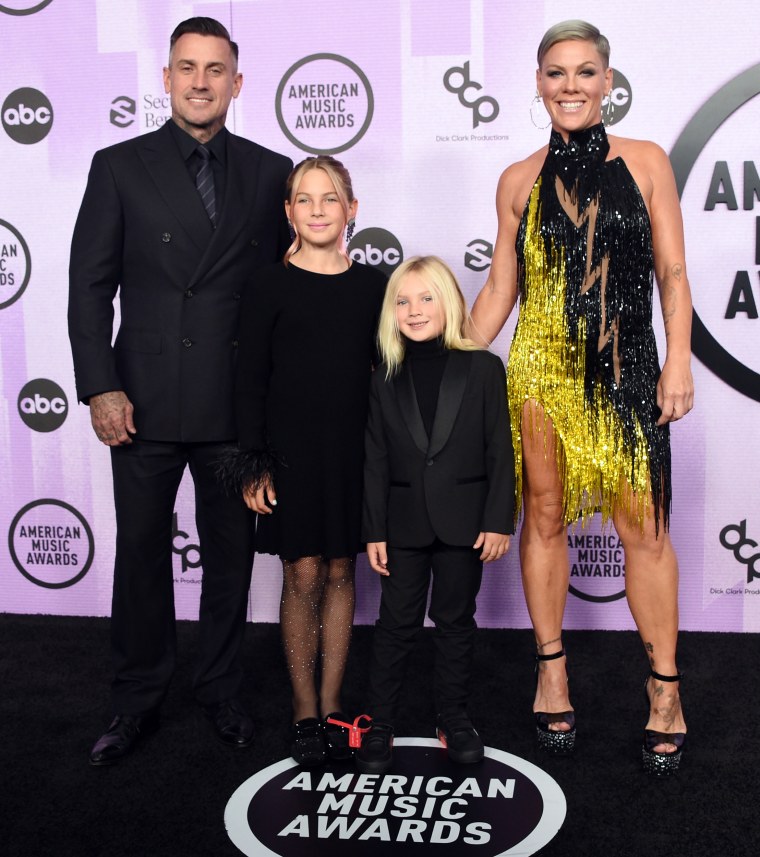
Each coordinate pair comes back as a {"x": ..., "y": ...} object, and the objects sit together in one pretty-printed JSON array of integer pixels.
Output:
[
  {"x": 458, "y": 482},
  {"x": 142, "y": 229}
]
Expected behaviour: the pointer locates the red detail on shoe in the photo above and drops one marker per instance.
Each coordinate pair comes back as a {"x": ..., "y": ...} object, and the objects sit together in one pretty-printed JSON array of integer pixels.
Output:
[
  {"x": 442, "y": 739},
  {"x": 355, "y": 731}
]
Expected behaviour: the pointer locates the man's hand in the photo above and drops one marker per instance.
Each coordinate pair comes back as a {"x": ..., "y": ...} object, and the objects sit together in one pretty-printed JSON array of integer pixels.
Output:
[{"x": 111, "y": 416}]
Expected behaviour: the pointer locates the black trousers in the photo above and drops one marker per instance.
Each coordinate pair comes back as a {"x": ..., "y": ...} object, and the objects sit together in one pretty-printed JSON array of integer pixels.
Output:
[
  {"x": 146, "y": 477},
  {"x": 457, "y": 573}
]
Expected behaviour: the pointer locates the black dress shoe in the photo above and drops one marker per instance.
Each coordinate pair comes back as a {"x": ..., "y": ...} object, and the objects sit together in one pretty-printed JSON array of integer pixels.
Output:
[
  {"x": 307, "y": 743},
  {"x": 232, "y": 725},
  {"x": 122, "y": 736},
  {"x": 375, "y": 756},
  {"x": 461, "y": 739}
]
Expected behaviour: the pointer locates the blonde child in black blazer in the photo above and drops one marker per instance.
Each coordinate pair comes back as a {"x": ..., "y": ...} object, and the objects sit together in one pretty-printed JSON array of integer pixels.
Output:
[{"x": 439, "y": 496}]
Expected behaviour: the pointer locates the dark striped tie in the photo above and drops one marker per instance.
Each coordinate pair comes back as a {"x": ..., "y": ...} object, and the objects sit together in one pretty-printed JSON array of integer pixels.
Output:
[{"x": 204, "y": 181}]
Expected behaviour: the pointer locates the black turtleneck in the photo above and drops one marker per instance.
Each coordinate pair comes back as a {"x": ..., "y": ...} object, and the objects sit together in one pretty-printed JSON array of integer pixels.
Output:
[{"x": 426, "y": 361}]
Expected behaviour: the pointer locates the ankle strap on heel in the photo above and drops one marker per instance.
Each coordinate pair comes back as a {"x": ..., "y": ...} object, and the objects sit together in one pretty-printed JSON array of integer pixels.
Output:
[
  {"x": 660, "y": 677},
  {"x": 553, "y": 656}
]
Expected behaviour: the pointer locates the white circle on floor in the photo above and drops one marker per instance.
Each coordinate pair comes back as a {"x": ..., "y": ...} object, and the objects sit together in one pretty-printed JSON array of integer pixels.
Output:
[{"x": 501, "y": 806}]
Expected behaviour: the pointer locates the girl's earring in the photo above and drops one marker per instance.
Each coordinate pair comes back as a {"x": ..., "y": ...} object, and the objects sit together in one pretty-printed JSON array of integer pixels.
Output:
[
  {"x": 535, "y": 115},
  {"x": 350, "y": 226},
  {"x": 292, "y": 231}
]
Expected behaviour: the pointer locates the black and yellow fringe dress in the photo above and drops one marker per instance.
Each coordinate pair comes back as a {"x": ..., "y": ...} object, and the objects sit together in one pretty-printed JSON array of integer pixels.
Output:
[{"x": 584, "y": 348}]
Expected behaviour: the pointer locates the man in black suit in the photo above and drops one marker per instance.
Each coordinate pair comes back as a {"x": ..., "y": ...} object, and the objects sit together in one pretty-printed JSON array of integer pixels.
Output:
[{"x": 177, "y": 221}]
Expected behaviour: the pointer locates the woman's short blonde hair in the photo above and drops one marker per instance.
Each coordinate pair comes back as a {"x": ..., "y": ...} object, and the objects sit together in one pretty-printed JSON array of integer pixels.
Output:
[
  {"x": 574, "y": 30},
  {"x": 446, "y": 292},
  {"x": 337, "y": 174}
]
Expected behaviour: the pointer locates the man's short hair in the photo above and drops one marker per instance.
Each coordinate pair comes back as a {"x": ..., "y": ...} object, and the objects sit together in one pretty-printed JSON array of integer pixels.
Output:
[{"x": 203, "y": 27}]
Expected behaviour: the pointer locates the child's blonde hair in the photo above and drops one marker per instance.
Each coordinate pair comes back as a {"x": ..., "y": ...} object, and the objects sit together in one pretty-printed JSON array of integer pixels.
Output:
[{"x": 446, "y": 292}]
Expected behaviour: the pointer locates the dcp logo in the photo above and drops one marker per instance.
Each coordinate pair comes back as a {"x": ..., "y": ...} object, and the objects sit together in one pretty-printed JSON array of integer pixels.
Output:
[
  {"x": 24, "y": 7},
  {"x": 324, "y": 104},
  {"x": 15, "y": 264},
  {"x": 42, "y": 405},
  {"x": 479, "y": 254},
  {"x": 377, "y": 247},
  {"x": 27, "y": 115},
  {"x": 477, "y": 105},
  {"x": 734, "y": 538},
  {"x": 617, "y": 104},
  {"x": 123, "y": 109},
  {"x": 190, "y": 553}
]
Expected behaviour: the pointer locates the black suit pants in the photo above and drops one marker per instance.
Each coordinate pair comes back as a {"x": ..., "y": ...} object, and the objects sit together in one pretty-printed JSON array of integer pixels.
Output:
[
  {"x": 457, "y": 573},
  {"x": 146, "y": 477}
]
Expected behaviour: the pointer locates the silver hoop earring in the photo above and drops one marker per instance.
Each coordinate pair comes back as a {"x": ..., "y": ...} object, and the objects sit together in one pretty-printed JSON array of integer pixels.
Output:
[
  {"x": 609, "y": 111},
  {"x": 350, "y": 226},
  {"x": 533, "y": 104}
]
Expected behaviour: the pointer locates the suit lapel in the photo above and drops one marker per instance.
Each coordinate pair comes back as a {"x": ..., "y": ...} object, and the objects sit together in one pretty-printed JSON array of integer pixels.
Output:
[
  {"x": 410, "y": 409},
  {"x": 450, "y": 398},
  {"x": 169, "y": 173},
  {"x": 240, "y": 190},
  {"x": 161, "y": 159},
  {"x": 241, "y": 187}
]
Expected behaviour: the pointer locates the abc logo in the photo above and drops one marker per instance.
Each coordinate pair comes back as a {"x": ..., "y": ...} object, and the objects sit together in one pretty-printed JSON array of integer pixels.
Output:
[
  {"x": 617, "y": 104},
  {"x": 27, "y": 116},
  {"x": 42, "y": 405},
  {"x": 376, "y": 247}
]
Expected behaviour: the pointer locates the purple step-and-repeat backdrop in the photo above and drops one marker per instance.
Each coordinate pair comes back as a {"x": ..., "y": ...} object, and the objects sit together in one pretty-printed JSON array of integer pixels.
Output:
[{"x": 426, "y": 101}]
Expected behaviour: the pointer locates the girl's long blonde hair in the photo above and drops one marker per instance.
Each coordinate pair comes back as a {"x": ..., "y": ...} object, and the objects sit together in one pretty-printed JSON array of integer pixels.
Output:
[{"x": 446, "y": 292}]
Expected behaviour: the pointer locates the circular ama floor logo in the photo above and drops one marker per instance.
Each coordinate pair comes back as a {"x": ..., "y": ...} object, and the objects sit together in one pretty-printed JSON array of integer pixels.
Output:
[{"x": 503, "y": 805}]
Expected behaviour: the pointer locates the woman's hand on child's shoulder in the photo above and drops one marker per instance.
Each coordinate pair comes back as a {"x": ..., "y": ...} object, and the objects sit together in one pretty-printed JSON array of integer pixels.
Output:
[
  {"x": 377, "y": 554},
  {"x": 494, "y": 545}
]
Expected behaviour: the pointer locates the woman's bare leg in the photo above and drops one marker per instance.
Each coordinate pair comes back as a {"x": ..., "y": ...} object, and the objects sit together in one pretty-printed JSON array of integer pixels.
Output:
[
  {"x": 651, "y": 585},
  {"x": 544, "y": 558}
]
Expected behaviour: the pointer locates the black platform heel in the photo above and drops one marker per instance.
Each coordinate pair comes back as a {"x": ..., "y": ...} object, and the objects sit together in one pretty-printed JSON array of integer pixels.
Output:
[
  {"x": 661, "y": 764},
  {"x": 556, "y": 742}
]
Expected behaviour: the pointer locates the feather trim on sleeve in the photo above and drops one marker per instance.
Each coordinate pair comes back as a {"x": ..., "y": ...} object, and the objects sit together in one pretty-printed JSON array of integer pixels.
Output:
[{"x": 239, "y": 470}]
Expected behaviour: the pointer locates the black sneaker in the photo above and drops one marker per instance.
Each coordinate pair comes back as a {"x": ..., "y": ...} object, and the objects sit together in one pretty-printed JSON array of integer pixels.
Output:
[
  {"x": 460, "y": 738},
  {"x": 375, "y": 756}
]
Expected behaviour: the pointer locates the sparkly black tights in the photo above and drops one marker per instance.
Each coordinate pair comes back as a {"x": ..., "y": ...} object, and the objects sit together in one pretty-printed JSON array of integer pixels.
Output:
[{"x": 316, "y": 616}]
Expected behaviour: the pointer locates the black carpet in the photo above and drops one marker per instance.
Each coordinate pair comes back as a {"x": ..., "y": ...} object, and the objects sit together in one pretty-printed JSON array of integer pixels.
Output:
[{"x": 168, "y": 798}]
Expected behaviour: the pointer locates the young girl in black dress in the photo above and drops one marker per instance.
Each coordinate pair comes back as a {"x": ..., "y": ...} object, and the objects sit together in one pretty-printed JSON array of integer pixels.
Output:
[
  {"x": 306, "y": 348},
  {"x": 439, "y": 495}
]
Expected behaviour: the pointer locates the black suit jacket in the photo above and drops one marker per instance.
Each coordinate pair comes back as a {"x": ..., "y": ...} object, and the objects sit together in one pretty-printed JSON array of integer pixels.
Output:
[
  {"x": 454, "y": 484},
  {"x": 142, "y": 229}
]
